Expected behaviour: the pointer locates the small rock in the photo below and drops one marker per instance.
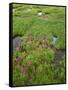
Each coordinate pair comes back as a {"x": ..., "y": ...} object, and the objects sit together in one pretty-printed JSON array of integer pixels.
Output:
[{"x": 40, "y": 13}]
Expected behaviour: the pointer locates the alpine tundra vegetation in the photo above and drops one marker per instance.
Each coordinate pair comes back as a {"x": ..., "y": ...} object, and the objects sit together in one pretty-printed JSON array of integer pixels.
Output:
[{"x": 38, "y": 44}]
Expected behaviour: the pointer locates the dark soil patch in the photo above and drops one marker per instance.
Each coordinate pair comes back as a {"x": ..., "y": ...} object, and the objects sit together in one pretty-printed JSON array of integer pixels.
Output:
[
  {"x": 17, "y": 35},
  {"x": 58, "y": 55}
]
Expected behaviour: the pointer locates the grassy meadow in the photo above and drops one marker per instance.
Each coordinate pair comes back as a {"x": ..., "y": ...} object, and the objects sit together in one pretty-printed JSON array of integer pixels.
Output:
[{"x": 35, "y": 61}]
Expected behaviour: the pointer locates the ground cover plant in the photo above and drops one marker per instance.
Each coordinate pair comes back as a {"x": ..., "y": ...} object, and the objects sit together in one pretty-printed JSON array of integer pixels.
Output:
[{"x": 40, "y": 56}]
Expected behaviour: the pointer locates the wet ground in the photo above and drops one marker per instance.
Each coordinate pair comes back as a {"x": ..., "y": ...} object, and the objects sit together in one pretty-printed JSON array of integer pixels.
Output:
[
  {"x": 59, "y": 54},
  {"x": 16, "y": 42}
]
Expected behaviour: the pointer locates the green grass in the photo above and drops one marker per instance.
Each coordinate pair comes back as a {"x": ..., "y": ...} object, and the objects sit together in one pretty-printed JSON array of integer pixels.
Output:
[
  {"x": 52, "y": 24},
  {"x": 35, "y": 55}
]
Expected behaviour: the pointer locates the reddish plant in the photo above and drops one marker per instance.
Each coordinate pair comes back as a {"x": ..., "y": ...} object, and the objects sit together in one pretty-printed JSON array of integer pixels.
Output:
[
  {"x": 29, "y": 63},
  {"x": 17, "y": 60},
  {"x": 24, "y": 69},
  {"x": 18, "y": 49}
]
